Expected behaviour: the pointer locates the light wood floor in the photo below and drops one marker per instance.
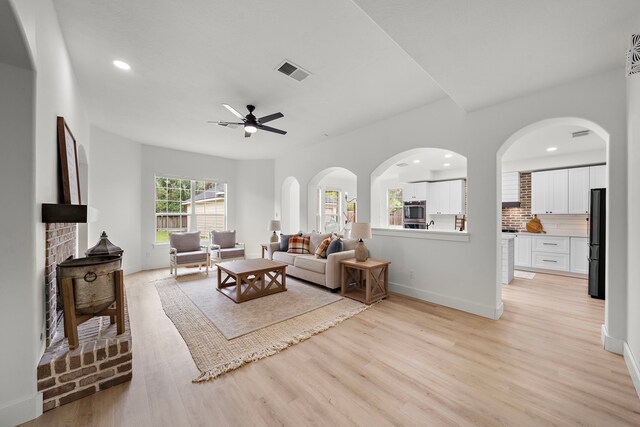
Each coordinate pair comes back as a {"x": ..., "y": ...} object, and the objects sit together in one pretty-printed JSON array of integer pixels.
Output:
[{"x": 401, "y": 363}]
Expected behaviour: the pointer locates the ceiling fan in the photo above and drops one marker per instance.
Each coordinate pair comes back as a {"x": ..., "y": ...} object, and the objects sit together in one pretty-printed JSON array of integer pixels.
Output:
[{"x": 250, "y": 122}]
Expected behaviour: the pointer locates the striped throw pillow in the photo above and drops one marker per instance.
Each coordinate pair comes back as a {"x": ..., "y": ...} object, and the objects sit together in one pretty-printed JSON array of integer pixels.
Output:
[
  {"x": 321, "y": 252},
  {"x": 298, "y": 245}
]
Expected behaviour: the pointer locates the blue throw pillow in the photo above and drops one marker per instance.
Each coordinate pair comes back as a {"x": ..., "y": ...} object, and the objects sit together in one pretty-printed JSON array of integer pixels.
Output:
[
  {"x": 334, "y": 246},
  {"x": 284, "y": 241}
]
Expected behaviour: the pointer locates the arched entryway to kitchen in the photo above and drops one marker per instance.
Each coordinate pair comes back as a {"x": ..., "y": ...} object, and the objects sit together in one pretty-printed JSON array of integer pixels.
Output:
[
  {"x": 552, "y": 183},
  {"x": 332, "y": 200},
  {"x": 290, "y": 205}
]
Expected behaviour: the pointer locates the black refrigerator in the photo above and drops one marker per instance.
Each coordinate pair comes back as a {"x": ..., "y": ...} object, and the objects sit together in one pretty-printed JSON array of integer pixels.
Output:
[{"x": 597, "y": 229}]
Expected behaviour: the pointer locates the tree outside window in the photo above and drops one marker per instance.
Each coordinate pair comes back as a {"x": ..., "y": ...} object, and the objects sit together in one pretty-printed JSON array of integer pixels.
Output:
[{"x": 394, "y": 204}]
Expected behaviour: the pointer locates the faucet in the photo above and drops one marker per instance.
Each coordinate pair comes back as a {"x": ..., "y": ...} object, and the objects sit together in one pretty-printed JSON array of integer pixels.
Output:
[{"x": 430, "y": 223}]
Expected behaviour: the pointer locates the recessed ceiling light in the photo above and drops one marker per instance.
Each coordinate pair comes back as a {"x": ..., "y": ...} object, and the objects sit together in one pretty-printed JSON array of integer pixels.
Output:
[
  {"x": 447, "y": 165},
  {"x": 121, "y": 64},
  {"x": 552, "y": 148},
  {"x": 448, "y": 156},
  {"x": 416, "y": 161}
]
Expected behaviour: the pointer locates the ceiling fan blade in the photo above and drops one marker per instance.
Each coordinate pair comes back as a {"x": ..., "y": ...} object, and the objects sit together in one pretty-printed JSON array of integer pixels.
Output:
[
  {"x": 233, "y": 111},
  {"x": 247, "y": 135},
  {"x": 270, "y": 117},
  {"x": 270, "y": 129}
]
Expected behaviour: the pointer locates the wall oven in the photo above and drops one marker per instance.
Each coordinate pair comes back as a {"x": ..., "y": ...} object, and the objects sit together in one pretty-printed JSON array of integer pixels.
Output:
[{"x": 415, "y": 214}]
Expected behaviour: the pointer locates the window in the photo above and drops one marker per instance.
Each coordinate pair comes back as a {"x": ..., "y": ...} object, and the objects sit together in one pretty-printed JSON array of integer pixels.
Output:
[
  {"x": 331, "y": 210},
  {"x": 188, "y": 205},
  {"x": 394, "y": 197}
]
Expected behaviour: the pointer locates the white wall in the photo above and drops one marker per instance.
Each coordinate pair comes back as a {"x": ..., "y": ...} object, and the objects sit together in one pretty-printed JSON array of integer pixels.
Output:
[
  {"x": 632, "y": 353},
  {"x": 440, "y": 268},
  {"x": 253, "y": 197},
  {"x": 250, "y": 196},
  {"x": 115, "y": 188},
  {"x": 56, "y": 93}
]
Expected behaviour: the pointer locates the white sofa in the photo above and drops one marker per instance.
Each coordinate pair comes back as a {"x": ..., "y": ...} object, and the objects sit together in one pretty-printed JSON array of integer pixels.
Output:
[{"x": 322, "y": 271}]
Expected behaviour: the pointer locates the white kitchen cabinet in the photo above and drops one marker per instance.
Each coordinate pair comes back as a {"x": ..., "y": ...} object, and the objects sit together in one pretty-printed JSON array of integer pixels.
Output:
[
  {"x": 414, "y": 192},
  {"x": 549, "y": 192},
  {"x": 550, "y": 261},
  {"x": 438, "y": 202},
  {"x": 550, "y": 252},
  {"x": 580, "y": 255},
  {"x": 522, "y": 250},
  {"x": 456, "y": 197},
  {"x": 446, "y": 197},
  {"x": 598, "y": 176},
  {"x": 579, "y": 190},
  {"x": 511, "y": 187}
]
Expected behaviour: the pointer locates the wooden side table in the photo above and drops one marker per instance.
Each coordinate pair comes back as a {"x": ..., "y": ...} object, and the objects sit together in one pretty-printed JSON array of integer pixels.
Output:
[
  {"x": 369, "y": 279},
  {"x": 264, "y": 249}
]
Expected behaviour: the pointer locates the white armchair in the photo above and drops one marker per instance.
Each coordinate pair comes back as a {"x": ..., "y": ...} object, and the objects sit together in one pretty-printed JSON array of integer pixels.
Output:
[
  {"x": 224, "y": 246},
  {"x": 185, "y": 250}
]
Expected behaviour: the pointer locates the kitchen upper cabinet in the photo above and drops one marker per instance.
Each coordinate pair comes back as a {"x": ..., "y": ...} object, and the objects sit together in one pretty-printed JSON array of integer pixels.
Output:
[
  {"x": 579, "y": 186},
  {"x": 446, "y": 198},
  {"x": 522, "y": 250},
  {"x": 549, "y": 192},
  {"x": 598, "y": 176},
  {"x": 456, "y": 197},
  {"x": 438, "y": 202},
  {"x": 414, "y": 192},
  {"x": 580, "y": 255},
  {"x": 511, "y": 187}
]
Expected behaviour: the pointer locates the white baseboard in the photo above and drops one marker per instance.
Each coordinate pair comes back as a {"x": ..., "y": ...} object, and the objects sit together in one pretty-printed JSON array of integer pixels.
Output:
[
  {"x": 612, "y": 344},
  {"x": 21, "y": 411},
  {"x": 632, "y": 366},
  {"x": 457, "y": 303}
]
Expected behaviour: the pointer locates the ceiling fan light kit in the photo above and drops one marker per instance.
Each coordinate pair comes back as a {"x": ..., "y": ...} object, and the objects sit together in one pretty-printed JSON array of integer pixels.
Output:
[{"x": 250, "y": 122}]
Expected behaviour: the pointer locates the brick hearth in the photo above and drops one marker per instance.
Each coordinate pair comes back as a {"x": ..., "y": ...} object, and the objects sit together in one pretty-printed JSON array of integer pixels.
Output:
[{"x": 102, "y": 360}]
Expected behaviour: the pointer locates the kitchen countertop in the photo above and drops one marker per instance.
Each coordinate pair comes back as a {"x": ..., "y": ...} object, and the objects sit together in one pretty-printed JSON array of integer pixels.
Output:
[{"x": 555, "y": 233}]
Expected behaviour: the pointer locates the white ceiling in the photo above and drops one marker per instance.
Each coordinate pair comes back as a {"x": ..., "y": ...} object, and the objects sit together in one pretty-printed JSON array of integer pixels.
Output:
[
  {"x": 189, "y": 57},
  {"x": 429, "y": 160},
  {"x": 535, "y": 144},
  {"x": 485, "y": 52}
]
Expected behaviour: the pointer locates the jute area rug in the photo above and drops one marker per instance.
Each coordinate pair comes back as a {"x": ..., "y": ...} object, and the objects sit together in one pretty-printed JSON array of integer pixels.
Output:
[{"x": 258, "y": 336}]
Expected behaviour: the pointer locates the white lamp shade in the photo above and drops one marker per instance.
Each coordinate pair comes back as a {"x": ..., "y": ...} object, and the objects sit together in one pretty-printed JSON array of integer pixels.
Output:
[
  {"x": 274, "y": 225},
  {"x": 361, "y": 230}
]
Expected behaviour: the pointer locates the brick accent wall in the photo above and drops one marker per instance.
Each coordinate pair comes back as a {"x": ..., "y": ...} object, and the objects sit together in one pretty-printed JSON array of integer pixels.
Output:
[
  {"x": 102, "y": 360},
  {"x": 513, "y": 218},
  {"x": 60, "y": 245}
]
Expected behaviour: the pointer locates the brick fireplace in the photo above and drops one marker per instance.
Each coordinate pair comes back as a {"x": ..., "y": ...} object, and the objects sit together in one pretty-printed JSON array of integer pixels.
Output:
[
  {"x": 61, "y": 241},
  {"x": 103, "y": 359}
]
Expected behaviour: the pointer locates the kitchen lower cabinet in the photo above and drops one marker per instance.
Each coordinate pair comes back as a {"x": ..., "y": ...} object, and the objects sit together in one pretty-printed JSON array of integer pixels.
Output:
[
  {"x": 550, "y": 261},
  {"x": 580, "y": 255},
  {"x": 551, "y": 252},
  {"x": 522, "y": 250}
]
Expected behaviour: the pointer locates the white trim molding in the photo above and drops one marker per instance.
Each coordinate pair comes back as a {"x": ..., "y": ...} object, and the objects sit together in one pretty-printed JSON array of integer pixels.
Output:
[
  {"x": 490, "y": 312},
  {"x": 612, "y": 344},
  {"x": 18, "y": 412},
  {"x": 632, "y": 366}
]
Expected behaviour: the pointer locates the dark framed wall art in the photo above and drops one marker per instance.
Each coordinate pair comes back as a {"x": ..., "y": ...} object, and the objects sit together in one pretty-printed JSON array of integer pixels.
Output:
[{"x": 68, "y": 163}]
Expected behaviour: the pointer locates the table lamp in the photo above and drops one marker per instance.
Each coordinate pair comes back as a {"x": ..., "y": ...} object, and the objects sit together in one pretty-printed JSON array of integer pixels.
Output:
[
  {"x": 361, "y": 230},
  {"x": 274, "y": 225}
]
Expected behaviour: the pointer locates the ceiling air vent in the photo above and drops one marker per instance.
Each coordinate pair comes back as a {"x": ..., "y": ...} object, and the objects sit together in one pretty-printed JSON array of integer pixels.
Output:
[
  {"x": 580, "y": 133},
  {"x": 402, "y": 165},
  {"x": 292, "y": 70}
]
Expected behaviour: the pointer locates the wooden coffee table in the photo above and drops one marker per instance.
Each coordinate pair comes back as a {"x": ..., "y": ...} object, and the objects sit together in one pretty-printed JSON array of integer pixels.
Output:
[{"x": 251, "y": 278}]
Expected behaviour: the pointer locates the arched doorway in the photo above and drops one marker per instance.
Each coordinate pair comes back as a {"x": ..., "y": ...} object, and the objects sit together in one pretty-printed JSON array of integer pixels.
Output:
[
  {"x": 332, "y": 199},
  {"x": 551, "y": 166}
]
